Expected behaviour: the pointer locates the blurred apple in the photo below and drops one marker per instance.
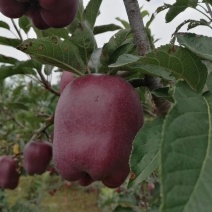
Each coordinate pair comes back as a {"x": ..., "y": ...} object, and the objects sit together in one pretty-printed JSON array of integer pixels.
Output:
[
  {"x": 37, "y": 156},
  {"x": 9, "y": 177}
]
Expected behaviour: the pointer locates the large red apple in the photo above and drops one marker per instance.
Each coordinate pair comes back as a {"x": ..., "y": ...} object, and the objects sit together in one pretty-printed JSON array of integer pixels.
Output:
[
  {"x": 9, "y": 177},
  {"x": 96, "y": 120},
  {"x": 37, "y": 156}
]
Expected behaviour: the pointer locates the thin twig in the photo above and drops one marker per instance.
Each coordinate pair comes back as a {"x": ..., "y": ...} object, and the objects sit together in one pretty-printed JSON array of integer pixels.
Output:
[
  {"x": 209, "y": 9},
  {"x": 43, "y": 128},
  {"x": 203, "y": 13},
  {"x": 46, "y": 84},
  {"x": 17, "y": 30}
]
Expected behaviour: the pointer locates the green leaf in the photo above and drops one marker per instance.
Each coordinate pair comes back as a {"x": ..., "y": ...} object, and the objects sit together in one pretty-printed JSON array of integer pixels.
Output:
[
  {"x": 53, "y": 51},
  {"x": 24, "y": 23},
  {"x": 163, "y": 93},
  {"x": 144, "y": 13},
  {"x": 168, "y": 62},
  {"x": 4, "y": 25},
  {"x": 126, "y": 48},
  {"x": 124, "y": 23},
  {"x": 92, "y": 11},
  {"x": 125, "y": 59},
  {"x": 62, "y": 33},
  {"x": 84, "y": 39},
  {"x": 199, "y": 44},
  {"x": 6, "y": 59},
  {"x": 16, "y": 105},
  {"x": 28, "y": 64},
  {"x": 7, "y": 71},
  {"x": 178, "y": 7},
  {"x": 145, "y": 154},
  {"x": 186, "y": 153},
  {"x": 10, "y": 41},
  {"x": 209, "y": 82},
  {"x": 105, "y": 28},
  {"x": 115, "y": 42}
]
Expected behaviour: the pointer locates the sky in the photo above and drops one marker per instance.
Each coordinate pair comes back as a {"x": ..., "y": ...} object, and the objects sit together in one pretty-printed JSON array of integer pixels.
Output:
[{"x": 110, "y": 9}]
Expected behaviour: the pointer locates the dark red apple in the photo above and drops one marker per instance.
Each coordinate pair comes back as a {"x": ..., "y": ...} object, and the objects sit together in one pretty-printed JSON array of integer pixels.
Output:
[
  {"x": 43, "y": 13},
  {"x": 52, "y": 13},
  {"x": 13, "y": 8},
  {"x": 37, "y": 20},
  {"x": 96, "y": 120},
  {"x": 37, "y": 156},
  {"x": 66, "y": 78},
  {"x": 9, "y": 177}
]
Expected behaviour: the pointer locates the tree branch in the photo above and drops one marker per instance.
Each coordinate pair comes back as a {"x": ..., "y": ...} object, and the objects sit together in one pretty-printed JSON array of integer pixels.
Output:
[
  {"x": 46, "y": 84},
  {"x": 137, "y": 25},
  {"x": 142, "y": 44}
]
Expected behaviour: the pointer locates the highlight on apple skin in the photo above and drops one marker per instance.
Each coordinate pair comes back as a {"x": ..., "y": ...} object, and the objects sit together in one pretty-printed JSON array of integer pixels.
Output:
[{"x": 96, "y": 120}]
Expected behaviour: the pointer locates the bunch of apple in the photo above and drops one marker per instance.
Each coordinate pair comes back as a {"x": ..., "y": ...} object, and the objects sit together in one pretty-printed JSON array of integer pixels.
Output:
[
  {"x": 43, "y": 13},
  {"x": 36, "y": 158}
]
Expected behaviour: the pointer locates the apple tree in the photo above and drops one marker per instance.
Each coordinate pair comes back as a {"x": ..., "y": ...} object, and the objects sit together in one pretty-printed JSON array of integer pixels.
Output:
[{"x": 101, "y": 132}]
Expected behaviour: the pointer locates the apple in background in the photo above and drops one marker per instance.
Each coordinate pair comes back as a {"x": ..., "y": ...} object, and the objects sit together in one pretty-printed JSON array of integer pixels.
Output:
[
  {"x": 9, "y": 177},
  {"x": 96, "y": 119},
  {"x": 66, "y": 78},
  {"x": 37, "y": 156}
]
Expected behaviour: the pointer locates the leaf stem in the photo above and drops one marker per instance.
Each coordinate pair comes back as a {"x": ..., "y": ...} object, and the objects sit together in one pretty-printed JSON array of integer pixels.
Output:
[{"x": 17, "y": 30}]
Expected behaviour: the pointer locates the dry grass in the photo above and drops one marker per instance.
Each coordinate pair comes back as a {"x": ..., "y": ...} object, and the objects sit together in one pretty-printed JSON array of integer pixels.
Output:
[{"x": 37, "y": 194}]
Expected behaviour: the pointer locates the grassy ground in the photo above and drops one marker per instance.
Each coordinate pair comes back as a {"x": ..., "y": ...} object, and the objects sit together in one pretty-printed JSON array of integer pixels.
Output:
[{"x": 50, "y": 194}]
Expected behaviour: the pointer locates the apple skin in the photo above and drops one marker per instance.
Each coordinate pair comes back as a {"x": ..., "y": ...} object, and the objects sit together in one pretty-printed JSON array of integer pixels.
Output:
[
  {"x": 64, "y": 10},
  {"x": 66, "y": 78},
  {"x": 96, "y": 120},
  {"x": 13, "y": 8},
  {"x": 37, "y": 156},
  {"x": 9, "y": 177},
  {"x": 37, "y": 20}
]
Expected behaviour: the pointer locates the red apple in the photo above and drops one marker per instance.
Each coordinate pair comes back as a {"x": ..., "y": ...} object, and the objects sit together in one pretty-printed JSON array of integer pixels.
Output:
[
  {"x": 37, "y": 156},
  {"x": 9, "y": 177},
  {"x": 96, "y": 120}
]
